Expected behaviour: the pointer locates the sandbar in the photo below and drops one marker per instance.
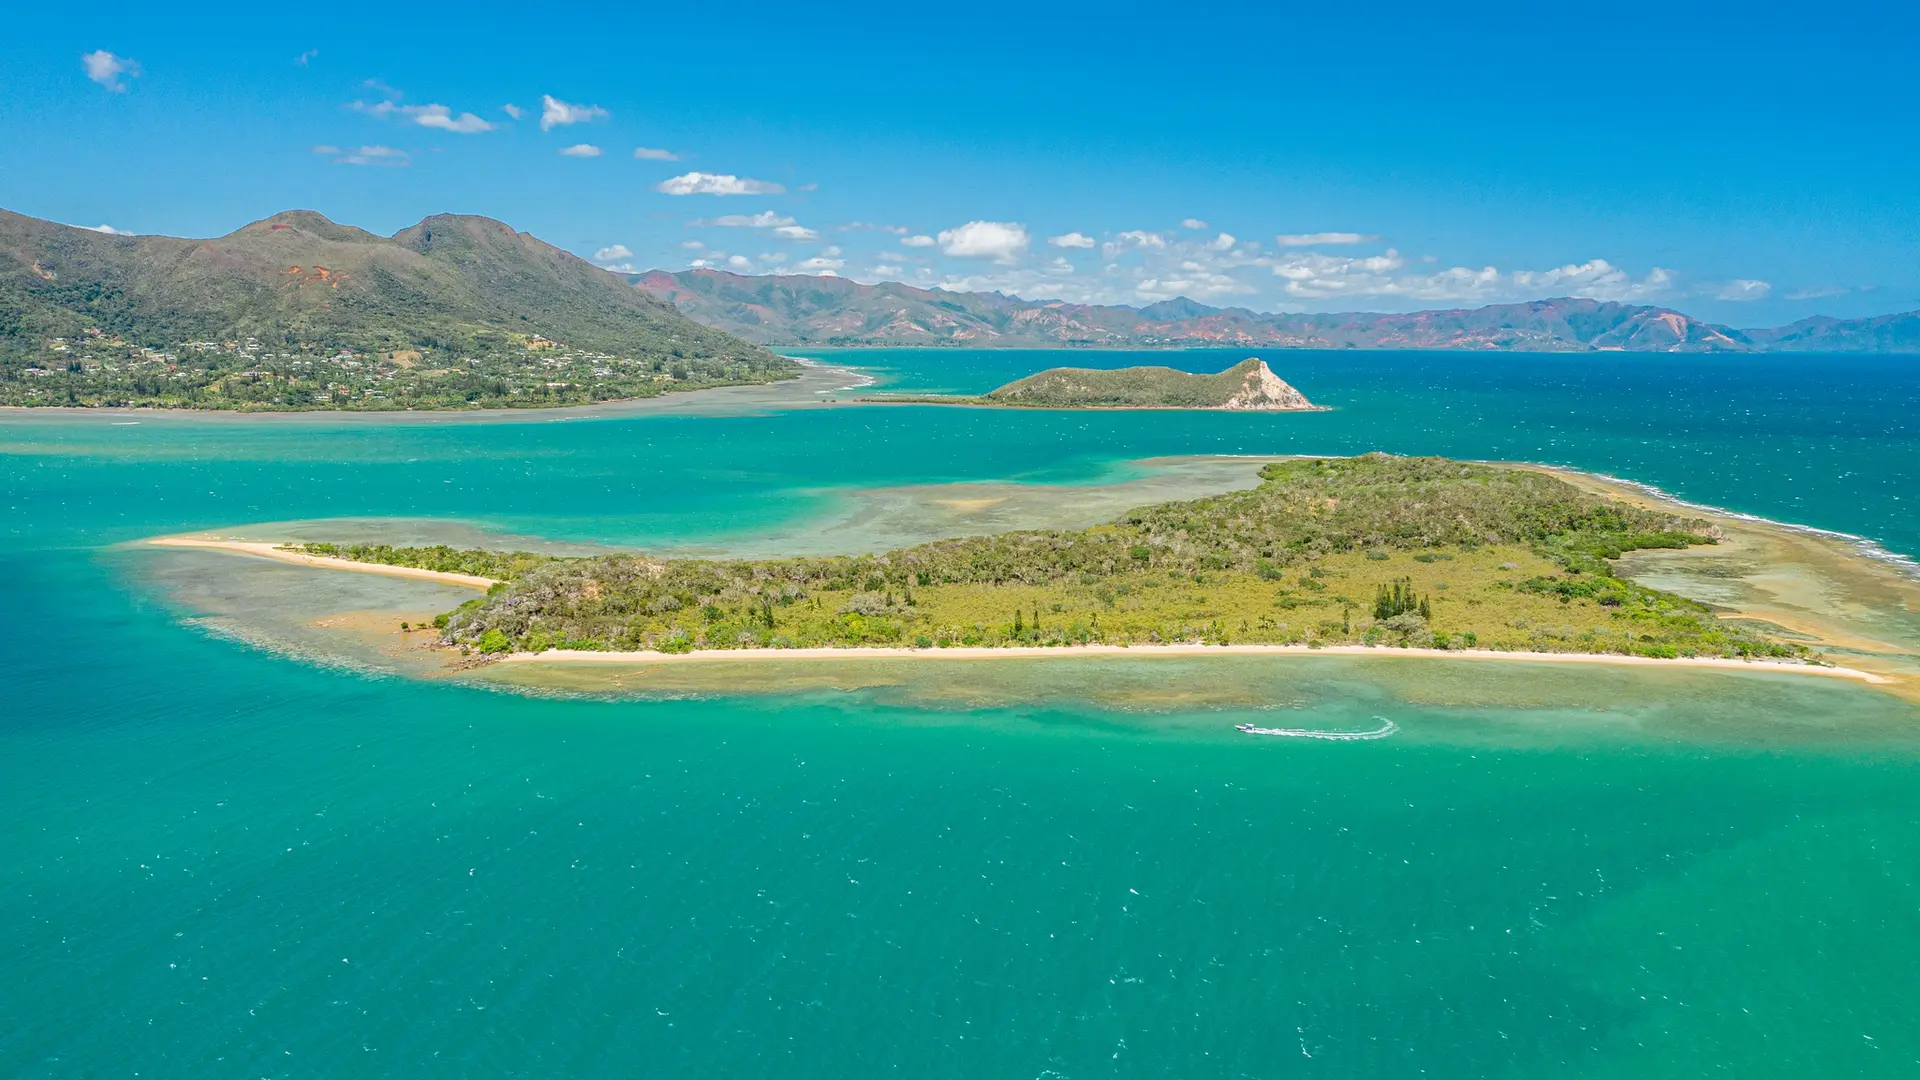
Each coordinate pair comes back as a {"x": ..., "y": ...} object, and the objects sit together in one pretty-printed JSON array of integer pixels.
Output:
[{"x": 268, "y": 550}]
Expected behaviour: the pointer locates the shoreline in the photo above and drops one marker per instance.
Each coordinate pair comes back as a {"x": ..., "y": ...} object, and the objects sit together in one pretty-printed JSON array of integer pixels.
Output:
[
  {"x": 979, "y": 403},
  {"x": 800, "y": 391},
  {"x": 1029, "y": 652},
  {"x": 268, "y": 550}
]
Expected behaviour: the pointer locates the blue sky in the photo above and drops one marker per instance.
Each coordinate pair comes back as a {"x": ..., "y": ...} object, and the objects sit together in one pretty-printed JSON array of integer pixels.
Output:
[{"x": 1747, "y": 163}]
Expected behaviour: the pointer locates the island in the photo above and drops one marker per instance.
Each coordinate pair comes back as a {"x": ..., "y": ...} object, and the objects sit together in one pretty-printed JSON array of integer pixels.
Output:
[
  {"x": 1372, "y": 551},
  {"x": 1248, "y": 386}
]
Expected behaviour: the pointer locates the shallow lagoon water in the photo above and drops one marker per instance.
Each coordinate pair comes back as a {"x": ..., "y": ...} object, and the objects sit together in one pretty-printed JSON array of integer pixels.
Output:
[{"x": 225, "y": 858}]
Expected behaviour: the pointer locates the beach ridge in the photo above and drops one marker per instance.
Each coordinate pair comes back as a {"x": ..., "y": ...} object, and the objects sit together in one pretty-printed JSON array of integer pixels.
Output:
[{"x": 649, "y": 656}]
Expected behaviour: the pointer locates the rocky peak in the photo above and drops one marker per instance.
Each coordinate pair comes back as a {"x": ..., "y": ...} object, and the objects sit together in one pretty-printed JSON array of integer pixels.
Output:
[{"x": 1264, "y": 391}]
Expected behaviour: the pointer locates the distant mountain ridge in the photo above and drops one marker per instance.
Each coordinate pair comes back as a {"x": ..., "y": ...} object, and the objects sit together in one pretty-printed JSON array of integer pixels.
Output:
[{"x": 804, "y": 310}]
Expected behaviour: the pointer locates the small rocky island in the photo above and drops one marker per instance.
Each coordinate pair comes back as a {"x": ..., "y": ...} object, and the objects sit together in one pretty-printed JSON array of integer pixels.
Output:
[{"x": 1248, "y": 386}]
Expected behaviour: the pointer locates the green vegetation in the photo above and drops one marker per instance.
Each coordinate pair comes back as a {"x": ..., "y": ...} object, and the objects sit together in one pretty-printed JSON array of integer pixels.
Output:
[
  {"x": 297, "y": 312},
  {"x": 1376, "y": 550},
  {"x": 498, "y": 565},
  {"x": 1246, "y": 385}
]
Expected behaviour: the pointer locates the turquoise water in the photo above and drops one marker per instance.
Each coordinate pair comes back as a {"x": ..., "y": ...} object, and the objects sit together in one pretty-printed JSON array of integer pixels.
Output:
[{"x": 222, "y": 861}]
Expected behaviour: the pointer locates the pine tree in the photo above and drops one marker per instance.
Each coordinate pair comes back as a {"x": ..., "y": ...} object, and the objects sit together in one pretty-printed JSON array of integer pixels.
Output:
[{"x": 1018, "y": 627}]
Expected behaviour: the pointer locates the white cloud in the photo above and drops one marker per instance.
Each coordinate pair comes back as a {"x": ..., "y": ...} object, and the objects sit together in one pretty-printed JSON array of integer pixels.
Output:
[
  {"x": 739, "y": 262},
  {"x": 514, "y": 111},
  {"x": 377, "y": 155},
  {"x": 1001, "y": 241},
  {"x": 105, "y": 68},
  {"x": 917, "y": 241},
  {"x": 1132, "y": 239},
  {"x": 855, "y": 226},
  {"x": 1070, "y": 240},
  {"x": 772, "y": 256},
  {"x": 765, "y": 219},
  {"x": 648, "y": 153},
  {"x": 1318, "y": 239},
  {"x": 108, "y": 229},
  {"x": 783, "y": 227},
  {"x": 612, "y": 253},
  {"x": 1194, "y": 223},
  {"x": 556, "y": 113},
  {"x": 581, "y": 150},
  {"x": 439, "y": 117},
  {"x": 819, "y": 265},
  {"x": 692, "y": 245},
  {"x": 1223, "y": 242},
  {"x": 306, "y": 58},
  {"x": 699, "y": 183},
  {"x": 830, "y": 250},
  {"x": 1059, "y": 265},
  {"x": 1818, "y": 292},
  {"x": 1597, "y": 279},
  {"x": 1328, "y": 277},
  {"x": 442, "y": 118},
  {"x": 365, "y": 155},
  {"x": 1743, "y": 289},
  {"x": 885, "y": 270}
]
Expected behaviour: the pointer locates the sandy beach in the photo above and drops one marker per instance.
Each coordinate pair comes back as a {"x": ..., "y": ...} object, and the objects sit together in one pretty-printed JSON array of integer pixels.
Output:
[
  {"x": 1153, "y": 651},
  {"x": 266, "y": 550}
]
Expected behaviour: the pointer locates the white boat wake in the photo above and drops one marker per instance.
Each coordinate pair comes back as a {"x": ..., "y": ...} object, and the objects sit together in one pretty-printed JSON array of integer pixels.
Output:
[{"x": 1386, "y": 728}]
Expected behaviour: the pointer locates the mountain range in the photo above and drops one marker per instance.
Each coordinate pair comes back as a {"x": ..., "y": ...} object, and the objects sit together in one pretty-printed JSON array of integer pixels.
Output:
[
  {"x": 452, "y": 284},
  {"x": 804, "y": 310},
  {"x": 457, "y": 285}
]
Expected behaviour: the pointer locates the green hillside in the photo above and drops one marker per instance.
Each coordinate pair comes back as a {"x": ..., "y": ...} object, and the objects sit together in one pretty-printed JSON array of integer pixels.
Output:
[{"x": 297, "y": 311}]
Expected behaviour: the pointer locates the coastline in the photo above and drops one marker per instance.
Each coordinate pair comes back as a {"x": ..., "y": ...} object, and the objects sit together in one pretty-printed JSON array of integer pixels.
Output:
[
  {"x": 981, "y": 403},
  {"x": 812, "y": 387},
  {"x": 268, "y": 550},
  {"x": 1030, "y": 652}
]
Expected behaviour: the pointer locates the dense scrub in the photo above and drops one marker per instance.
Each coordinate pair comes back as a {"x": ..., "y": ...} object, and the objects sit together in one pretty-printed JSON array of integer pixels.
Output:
[
  {"x": 1379, "y": 549},
  {"x": 498, "y": 565},
  {"x": 1135, "y": 387}
]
